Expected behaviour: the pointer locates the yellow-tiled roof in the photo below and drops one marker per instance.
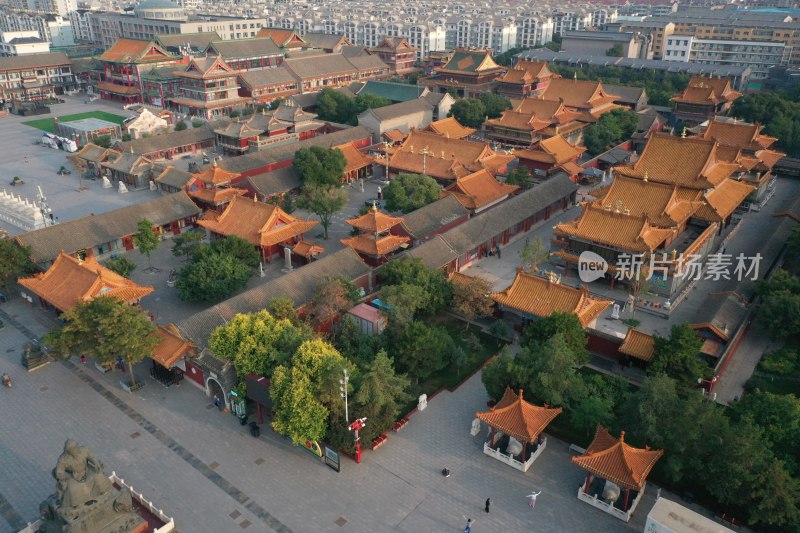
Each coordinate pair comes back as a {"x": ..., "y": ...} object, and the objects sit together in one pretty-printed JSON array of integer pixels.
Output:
[
  {"x": 368, "y": 245},
  {"x": 723, "y": 200},
  {"x": 638, "y": 344},
  {"x": 517, "y": 418},
  {"x": 479, "y": 189},
  {"x": 616, "y": 229},
  {"x": 171, "y": 346},
  {"x": 374, "y": 221},
  {"x": 450, "y": 127}
]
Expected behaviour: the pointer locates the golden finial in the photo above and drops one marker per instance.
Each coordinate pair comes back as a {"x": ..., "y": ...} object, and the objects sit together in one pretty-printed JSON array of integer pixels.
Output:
[
  {"x": 683, "y": 133},
  {"x": 214, "y": 163},
  {"x": 575, "y": 76},
  {"x": 645, "y": 176},
  {"x": 374, "y": 207}
]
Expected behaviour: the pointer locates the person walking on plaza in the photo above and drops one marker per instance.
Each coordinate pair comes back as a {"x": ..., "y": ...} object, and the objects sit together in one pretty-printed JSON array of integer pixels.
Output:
[
  {"x": 217, "y": 403},
  {"x": 83, "y": 359},
  {"x": 468, "y": 527},
  {"x": 488, "y": 503},
  {"x": 532, "y": 497},
  {"x": 380, "y": 193}
]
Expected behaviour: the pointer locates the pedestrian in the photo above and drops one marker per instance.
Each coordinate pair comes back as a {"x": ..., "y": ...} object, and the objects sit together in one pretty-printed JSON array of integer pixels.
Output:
[
  {"x": 498, "y": 252},
  {"x": 532, "y": 497},
  {"x": 380, "y": 193},
  {"x": 468, "y": 527},
  {"x": 488, "y": 503},
  {"x": 217, "y": 403},
  {"x": 361, "y": 182},
  {"x": 83, "y": 359}
]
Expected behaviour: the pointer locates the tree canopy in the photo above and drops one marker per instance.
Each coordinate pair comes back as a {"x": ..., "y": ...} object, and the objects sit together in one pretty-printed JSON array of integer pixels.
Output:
[
  {"x": 471, "y": 297},
  {"x": 520, "y": 176},
  {"x": 145, "y": 239},
  {"x": 412, "y": 272},
  {"x": 323, "y": 202},
  {"x": 408, "y": 192},
  {"x": 336, "y": 106},
  {"x": 104, "y": 328},
  {"x": 610, "y": 130},
  {"x": 677, "y": 356},
  {"x": 121, "y": 265},
  {"x": 319, "y": 167},
  {"x": 15, "y": 261},
  {"x": 469, "y": 112},
  {"x": 213, "y": 274},
  {"x": 186, "y": 242},
  {"x": 494, "y": 104},
  {"x": 778, "y": 111}
]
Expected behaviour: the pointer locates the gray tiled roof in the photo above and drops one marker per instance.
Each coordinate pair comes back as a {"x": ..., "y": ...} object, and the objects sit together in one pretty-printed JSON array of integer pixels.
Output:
[
  {"x": 327, "y": 41},
  {"x": 483, "y": 227},
  {"x": 285, "y": 152},
  {"x": 85, "y": 232},
  {"x": 196, "y": 40},
  {"x": 299, "y": 285},
  {"x": 172, "y": 177},
  {"x": 427, "y": 219},
  {"x": 175, "y": 139},
  {"x": 626, "y": 93},
  {"x": 723, "y": 310},
  {"x": 34, "y": 60},
  {"x": 267, "y": 76},
  {"x": 391, "y": 112},
  {"x": 245, "y": 48},
  {"x": 275, "y": 182},
  {"x": 367, "y": 62},
  {"x": 317, "y": 66}
]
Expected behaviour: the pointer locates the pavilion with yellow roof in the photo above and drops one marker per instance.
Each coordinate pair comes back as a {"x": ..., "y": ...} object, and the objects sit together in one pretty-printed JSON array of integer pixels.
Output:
[
  {"x": 514, "y": 418},
  {"x": 169, "y": 355},
  {"x": 532, "y": 297},
  {"x": 616, "y": 473},
  {"x": 212, "y": 188},
  {"x": 374, "y": 243},
  {"x": 268, "y": 227},
  {"x": 70, "y": 280}
]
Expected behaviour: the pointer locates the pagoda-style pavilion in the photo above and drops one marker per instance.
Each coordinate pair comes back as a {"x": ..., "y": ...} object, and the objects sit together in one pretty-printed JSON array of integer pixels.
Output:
[
  {"x": 266, "y": 226},
  {"x": 704, "y": 98},
  {"x": 514, "y": 418},
  {"x": 70, "y": 280},
  {"x": 551, "y": 155},
  {"x": 616, "y": 473},
  {"x": 525, "y": 78},
  {"x": 533, "y": 119},
  {"x": 211, "y": 188},
  {"x": 468, "y": 73},
  {"x": 375, "y": 244}
]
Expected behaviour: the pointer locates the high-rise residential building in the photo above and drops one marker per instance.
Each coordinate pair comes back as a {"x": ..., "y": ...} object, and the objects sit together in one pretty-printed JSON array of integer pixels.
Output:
[{"x": 61, "y": 8}]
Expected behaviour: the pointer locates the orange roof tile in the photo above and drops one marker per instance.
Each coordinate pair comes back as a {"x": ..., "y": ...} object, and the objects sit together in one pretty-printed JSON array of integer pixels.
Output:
[
  {"x": 517, "y": 418},
  {"x": 450, "y": 127},
  {"x": 207, "y": 68},
  {"x": 216, "y": 175},
  {"x": 577, "y": 94},
  {"x": 702, "y": 90},
  {"x": 135, "y": 51},
  {"x": 616, "y": 461},
  {"x": 741, "y": 135},
  {"x": 259, "y": 223},
  {"x": 769, "y": 158},
  {"x": 616, "y": 229},
  {"x": 554, "y": 150},
  {"x": 723, "y": 200},
  {"x": 367, "y": 244},
  {"x": 70, "y": 280},
  {"x": 479, "y": 189},
  {"x": 687, "y": 162},
  {"x": 540, "y": 297},
  {"x": 171, "y": 346},
  {"x": 394, "y": 135},
  {"x": 215, "y": 196},
  {"x": 354, "y": 158},
  {"x": 638, "y": 344},
  {"x": 526, "y": 71},
  {"x": 281, "y": 37},
  {"x": 116, "y": 89},
  {"x": 374, "y": 221},
  {"x": 307, "y": 249},
  {"x": 664, "y": 205}
]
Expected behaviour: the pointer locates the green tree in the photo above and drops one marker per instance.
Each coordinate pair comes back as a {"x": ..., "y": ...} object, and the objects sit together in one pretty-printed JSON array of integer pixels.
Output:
[
  {"x": 283, "y": 308},
  {"x": 355, "y": 345},
  {"x": 366, "y": 101},
  {"x": 334, "y": 296},
  {"x": 211, "y": 277},
  {"x": 533, "y": 254},
  {"x": 412, "y": 272},
  {"x": 778, "y": 111},
  {"x": 778, "y": 313},
  {"x": 146, "y": 240},
  {"x": 500, "y": 373},
  {"x": 408, "y": 192},
  {"x": 520, "y": 176},
  {"x": 565, "y": 324},
  {"x": 405, "y": 301},
  {"x": 469, "y": 112},
  {"x": 471, "y": 297},
  {"x": 287, "y": 204},
  {"x": 420, "y": 350},
  {"x": 335, "y": 106},
  {"x": 551, "y": 369},
  {"x": 180, "y": 125},
  {"x": 610, "y": 130},
  {"x": 677, "y": 356},
  {"x": 104, "y": 328},
  {"x": 196, "y": 123},
  {"x": 121, "y": 265},
  {"x": 238, "y": 248},
  {"x": 779, "y": 417},
  {"x": 186, "y": 242},
  {"x": 256, "y": 343},
  {"x": 319, "y": 167},
  {"x": 298, "y": 413},
  {"x": 15, "y": 261},
  {"x": 507, "y": 58},
  {"x": 615, "y": 51},
  {"x": 323, "y": 202},
  {"x": 493, "y": 104},
  {"x": 103, "y": 141},
  {"x": 381, "y": 395}
]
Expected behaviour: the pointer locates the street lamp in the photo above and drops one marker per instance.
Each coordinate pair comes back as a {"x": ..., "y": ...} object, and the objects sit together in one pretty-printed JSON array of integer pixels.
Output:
[
  {"x": 386, "y": 145},
  {"x": 357, "y": 425},
  {"x": 425, "y": 154},
  {"x": 343, "y": 393}
]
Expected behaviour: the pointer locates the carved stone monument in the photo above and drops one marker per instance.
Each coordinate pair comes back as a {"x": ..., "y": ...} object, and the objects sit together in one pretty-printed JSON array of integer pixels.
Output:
[{"x": 85, "y": 500}]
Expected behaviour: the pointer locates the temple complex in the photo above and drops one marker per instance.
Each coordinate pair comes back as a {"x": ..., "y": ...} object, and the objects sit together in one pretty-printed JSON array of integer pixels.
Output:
[
  {"x": 375, "y": 243},
  {"x": 525, "y": 78},
  {"x": 70, "y": 280},
  {"x": 123, "y": 65},
  {"x": 468, "y": 73},
  {"x": 703, "y": 99},
  {"x": 208, "y": 89},
  {"x": 616, "y": 473},
  {"x": 533, "y": 119},
  {"x": 516, "y": 426}
]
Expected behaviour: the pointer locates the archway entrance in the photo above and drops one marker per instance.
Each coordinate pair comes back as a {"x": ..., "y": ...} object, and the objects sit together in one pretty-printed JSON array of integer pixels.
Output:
[{"x": 215, "y": 389}]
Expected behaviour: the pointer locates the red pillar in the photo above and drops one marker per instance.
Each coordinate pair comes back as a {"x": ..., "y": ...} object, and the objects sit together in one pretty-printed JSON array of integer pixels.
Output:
[
  {"x": 627, "y": 496},
  {"x": 587, "y": 484}
]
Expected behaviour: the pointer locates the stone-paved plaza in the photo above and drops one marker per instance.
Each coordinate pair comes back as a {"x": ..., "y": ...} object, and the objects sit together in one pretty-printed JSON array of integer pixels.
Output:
[{"x": 205, "y": 470}]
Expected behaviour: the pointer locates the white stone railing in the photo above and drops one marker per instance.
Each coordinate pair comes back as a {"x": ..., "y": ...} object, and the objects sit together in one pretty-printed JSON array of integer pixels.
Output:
[
  {"x": 20, "y": 212},
  {"x": 609, "y": 508},
  {"x": 509, "y": 459},
  {"x": 169, "y": 523}
]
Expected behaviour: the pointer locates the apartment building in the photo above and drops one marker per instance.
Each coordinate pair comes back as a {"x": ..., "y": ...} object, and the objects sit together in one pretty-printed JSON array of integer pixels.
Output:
[
  {"x": 35, "y": 77},
  {"x": 51, "y": 28},
  {"x": 759, "y": 56}
]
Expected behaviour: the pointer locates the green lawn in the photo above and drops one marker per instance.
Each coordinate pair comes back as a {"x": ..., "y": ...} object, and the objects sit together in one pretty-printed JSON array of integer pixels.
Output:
[
  {"x": 48, "y": 124},
  {"x": 452, "y": 376}
]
